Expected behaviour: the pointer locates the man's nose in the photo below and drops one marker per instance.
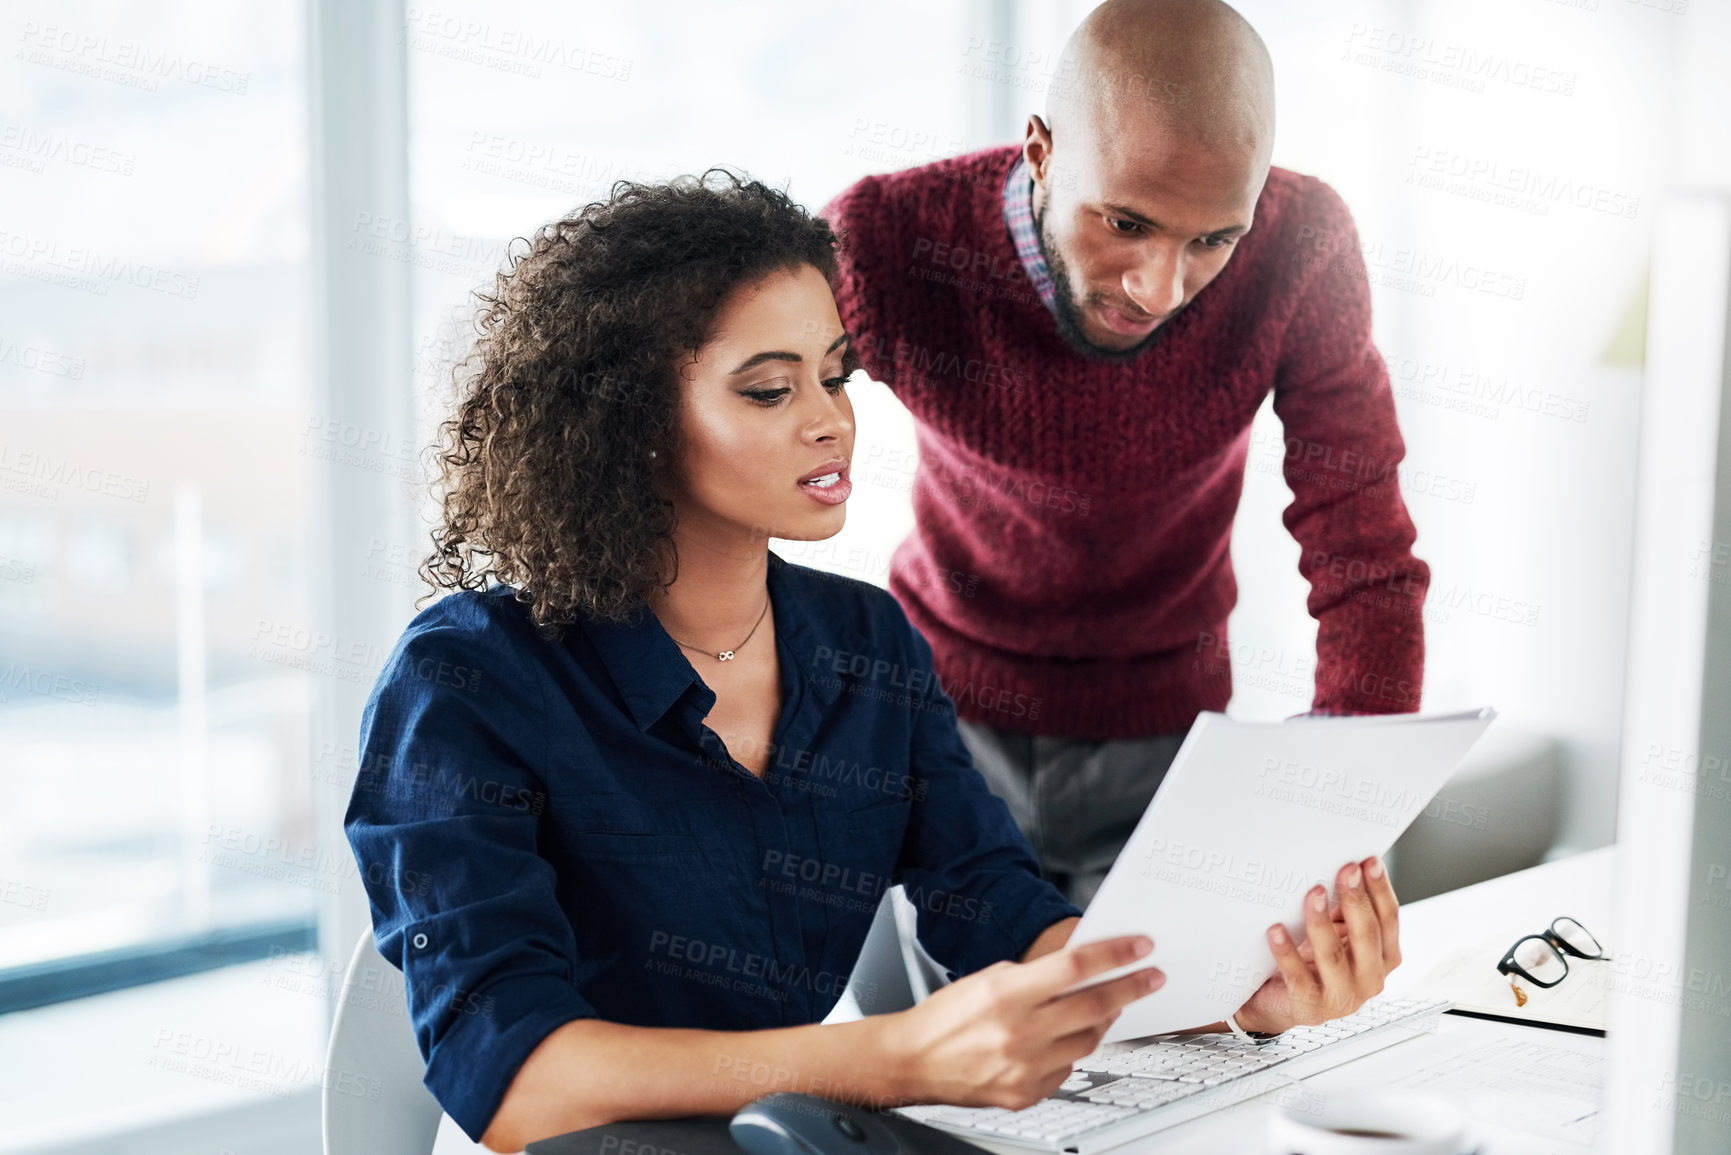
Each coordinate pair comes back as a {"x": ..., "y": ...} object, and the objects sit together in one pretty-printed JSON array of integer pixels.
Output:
[{"x": 1156, "y": 285}]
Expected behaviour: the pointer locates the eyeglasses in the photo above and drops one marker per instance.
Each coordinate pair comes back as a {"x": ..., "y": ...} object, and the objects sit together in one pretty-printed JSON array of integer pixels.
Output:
[{"x": 1540, "y": 958}]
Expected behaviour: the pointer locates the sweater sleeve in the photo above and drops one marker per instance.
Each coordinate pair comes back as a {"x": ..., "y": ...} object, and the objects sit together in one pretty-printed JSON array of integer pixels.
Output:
[
  {"x": 1342, "y": 452},
  {"x": 857, "y": 213}
]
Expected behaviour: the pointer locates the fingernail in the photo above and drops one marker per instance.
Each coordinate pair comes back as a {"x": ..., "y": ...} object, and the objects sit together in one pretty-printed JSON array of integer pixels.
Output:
[
  {"x": 1276, "y": 935},
  {"x": 1318, "y": 899},
  {"x": 1375, "y": 868},
  {"x": 1144, "y": 945},
  {"x": 1151, "y": 979},
  {"x": 1352, "y": 878}
]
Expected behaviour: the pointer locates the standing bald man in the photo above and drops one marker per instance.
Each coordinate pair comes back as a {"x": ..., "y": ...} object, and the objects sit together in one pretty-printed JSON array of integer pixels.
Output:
[{"x": 1083, "y": 328}]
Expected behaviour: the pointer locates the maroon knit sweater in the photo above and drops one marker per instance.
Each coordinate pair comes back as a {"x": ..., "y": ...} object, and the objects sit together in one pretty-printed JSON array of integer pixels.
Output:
[{"x": 1070, "y": 561}]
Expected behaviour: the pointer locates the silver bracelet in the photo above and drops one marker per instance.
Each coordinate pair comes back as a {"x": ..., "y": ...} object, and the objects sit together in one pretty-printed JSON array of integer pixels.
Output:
[{"x": 1232, "y": 1021}]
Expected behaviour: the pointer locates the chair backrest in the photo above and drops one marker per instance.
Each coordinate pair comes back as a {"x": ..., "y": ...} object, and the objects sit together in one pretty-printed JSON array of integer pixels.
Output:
[
  {"x": 878, "y": 983},
  {"x": 894, "y": 971},
  {"x": 925, "y": 974},
  {"x": 374, "y": 1100}
]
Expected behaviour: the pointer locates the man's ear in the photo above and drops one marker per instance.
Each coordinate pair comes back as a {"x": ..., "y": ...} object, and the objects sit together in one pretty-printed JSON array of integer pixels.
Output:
[{"x": 1037, "y": 147}]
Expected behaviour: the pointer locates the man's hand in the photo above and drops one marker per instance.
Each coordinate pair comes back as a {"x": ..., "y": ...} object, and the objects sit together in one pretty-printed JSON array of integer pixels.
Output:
[
  {"x": 1008, "y": 1035},
  {"x": 1346, "y": 955}
]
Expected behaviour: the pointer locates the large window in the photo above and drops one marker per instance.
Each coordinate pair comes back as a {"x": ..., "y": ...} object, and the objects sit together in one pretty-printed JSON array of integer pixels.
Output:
[{"x": 153, "y": 496}]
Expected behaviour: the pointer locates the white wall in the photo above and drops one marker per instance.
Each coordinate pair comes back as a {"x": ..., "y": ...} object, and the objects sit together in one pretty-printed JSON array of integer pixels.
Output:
[{"x": 1546, "y": 535}]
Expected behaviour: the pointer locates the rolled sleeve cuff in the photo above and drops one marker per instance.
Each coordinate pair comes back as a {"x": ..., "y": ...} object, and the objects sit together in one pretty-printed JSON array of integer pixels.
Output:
[
  {"x": 480, "y": 1052},
  {"x": 1012, "y": 912}
]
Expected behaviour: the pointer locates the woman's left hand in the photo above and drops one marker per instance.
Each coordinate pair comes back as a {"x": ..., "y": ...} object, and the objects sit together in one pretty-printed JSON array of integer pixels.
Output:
[{"x": 1346, "y": 955}]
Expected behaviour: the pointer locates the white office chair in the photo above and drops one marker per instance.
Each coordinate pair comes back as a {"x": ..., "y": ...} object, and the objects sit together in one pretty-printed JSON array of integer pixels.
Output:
[
  {"x": 894, "y": 971},
  {"x": 373, "y": 1042},
  {"x": 373, "y": 1047}
]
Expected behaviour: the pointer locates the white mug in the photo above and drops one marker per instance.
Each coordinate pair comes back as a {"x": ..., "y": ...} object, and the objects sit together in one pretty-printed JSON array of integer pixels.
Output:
[{"x": 1368, "y": 1123}]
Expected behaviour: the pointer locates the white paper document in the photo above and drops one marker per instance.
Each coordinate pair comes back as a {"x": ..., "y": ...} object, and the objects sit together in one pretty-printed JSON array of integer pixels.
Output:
[
  {"x": 1250, "y": 816},
  {"x": 1531, "y": 1085}
]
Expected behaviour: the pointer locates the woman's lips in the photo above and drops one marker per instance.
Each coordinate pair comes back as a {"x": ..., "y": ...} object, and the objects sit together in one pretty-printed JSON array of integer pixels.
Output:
[{"x": 830, "y": 488}]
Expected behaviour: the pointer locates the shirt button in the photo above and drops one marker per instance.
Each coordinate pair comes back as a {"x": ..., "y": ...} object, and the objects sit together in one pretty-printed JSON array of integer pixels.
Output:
[{"x": 421, "y": 942}]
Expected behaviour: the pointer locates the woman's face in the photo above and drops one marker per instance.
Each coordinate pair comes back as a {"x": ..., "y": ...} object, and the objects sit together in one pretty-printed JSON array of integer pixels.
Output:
[{"x": 766, "y": 423}]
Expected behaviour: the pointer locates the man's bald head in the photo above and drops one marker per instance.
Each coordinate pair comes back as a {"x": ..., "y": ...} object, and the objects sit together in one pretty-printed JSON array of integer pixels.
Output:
[
  {"x": 1149, "y": 164},
  {"x": 1194, "y": 68}
]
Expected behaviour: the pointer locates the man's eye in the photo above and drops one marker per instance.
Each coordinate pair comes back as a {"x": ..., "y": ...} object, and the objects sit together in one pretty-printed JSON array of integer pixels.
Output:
[
  {"x": 1216, "y": 242},
  {"x": 765, "y": 396},
  {"x": 1122, "y": 225}
]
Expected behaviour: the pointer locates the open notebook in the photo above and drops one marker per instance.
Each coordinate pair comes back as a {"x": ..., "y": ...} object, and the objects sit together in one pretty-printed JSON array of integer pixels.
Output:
[{"x": 1468, "y": 977}]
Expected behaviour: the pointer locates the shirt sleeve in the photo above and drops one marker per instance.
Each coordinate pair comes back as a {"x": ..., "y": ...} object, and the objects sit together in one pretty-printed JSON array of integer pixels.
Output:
[
  {"x": 964, "y": 864},
  {"x": 1343, "y": 450},
  {"x": 443, "y": 822}
]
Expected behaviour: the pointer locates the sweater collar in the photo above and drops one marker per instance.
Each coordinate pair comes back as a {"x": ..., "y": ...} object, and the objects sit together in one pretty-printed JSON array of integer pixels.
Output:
[{"x": 1019, "y": 218}]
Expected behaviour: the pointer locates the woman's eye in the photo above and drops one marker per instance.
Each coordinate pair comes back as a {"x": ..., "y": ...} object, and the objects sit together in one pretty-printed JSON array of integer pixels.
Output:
[
  {"x": 1216, "y": 242},
  {"x": 835, "y": 383},
  {"x": 765, "y": 396}
]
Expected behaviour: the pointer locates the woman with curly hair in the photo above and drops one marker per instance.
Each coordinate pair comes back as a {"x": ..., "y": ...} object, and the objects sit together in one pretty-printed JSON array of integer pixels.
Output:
[{"x": 631, "y": 794}]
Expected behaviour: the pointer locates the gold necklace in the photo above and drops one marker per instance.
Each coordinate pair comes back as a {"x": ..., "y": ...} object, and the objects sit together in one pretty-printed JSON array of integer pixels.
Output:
[{"x": 726, "y": 655}]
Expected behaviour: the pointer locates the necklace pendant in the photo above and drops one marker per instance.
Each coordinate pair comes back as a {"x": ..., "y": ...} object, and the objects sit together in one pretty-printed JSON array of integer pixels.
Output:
[{"x": 724, "y": 656}]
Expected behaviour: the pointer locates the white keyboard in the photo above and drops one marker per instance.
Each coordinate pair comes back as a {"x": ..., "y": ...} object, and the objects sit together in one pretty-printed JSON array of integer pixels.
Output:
[{"x": 1124, "y": 1091}]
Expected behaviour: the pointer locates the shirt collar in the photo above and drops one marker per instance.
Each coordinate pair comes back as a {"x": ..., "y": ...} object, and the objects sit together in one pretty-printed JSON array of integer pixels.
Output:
[
  {"x": 1019, "y": 218},
  {"x": 652, "y": 672}
]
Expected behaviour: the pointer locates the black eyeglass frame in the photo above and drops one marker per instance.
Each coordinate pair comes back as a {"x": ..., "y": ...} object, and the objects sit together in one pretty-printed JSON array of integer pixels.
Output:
[{"x": 1555, "y": 941}]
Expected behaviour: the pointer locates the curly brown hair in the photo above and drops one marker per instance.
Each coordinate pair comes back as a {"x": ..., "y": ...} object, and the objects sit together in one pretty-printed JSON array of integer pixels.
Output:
[{"x": 546, "y": 477}]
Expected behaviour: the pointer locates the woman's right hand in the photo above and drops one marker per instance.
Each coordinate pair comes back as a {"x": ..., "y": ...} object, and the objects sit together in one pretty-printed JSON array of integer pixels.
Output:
[{"x": 1007, "y": 1036}]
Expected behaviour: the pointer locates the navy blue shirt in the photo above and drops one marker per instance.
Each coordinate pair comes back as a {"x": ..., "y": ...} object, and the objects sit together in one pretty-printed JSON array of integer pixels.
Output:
[{"x": 548, "y": 831}]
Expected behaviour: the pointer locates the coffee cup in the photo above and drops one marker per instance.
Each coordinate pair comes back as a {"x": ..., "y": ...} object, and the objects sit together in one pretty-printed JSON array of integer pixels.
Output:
[{"x": 1368, "y": 1123}]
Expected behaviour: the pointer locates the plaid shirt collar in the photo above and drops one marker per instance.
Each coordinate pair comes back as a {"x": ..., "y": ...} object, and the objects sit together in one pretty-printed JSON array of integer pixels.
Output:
[{"x": 1019, "y": 217}]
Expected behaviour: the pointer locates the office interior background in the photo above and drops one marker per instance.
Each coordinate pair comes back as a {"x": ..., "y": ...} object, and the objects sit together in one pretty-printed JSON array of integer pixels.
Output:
[{"x": 239, "y": 242}]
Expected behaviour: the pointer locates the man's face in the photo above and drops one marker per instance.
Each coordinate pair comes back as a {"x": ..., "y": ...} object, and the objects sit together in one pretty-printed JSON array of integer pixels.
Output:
[{"x": 1135, "y": 228}]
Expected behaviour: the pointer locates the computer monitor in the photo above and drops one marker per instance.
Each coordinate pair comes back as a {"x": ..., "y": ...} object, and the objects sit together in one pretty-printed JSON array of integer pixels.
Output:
[{"x": 1668, "y": 1076}]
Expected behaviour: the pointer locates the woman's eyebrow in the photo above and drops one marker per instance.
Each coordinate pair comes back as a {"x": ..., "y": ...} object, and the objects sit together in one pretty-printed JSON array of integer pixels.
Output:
[{"x": 757, "y": 359}]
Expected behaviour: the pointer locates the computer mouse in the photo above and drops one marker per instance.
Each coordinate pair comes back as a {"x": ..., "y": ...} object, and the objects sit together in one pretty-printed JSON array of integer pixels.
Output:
[{"x": 792, "y": 1124}]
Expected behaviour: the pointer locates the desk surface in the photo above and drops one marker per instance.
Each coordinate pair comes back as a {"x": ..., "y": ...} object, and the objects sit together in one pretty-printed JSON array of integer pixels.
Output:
[
  {"x": 1505, "y": 907},
  {"x": 1525, "y": 1089}
]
